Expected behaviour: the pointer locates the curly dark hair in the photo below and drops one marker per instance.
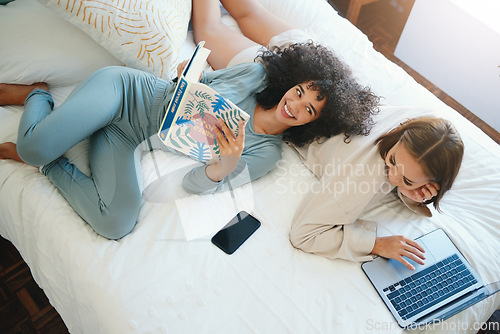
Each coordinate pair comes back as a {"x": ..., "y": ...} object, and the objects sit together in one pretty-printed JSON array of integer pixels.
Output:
[{"x": 349, "y": 106}]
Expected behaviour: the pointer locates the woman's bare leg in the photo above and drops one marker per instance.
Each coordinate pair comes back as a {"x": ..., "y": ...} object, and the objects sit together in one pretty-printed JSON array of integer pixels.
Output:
[
  {"x": 8, "y": 151},
  {"x": 220, "y": 39},
  {"x": 16, "y": 94},
  {"x": 255, "y": 21}
]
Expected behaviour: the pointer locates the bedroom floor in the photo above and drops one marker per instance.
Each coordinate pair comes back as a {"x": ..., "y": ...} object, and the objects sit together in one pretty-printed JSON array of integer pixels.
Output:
[
  {"x": 24, "y": 308},
  {"x": 383, "y": 22}
]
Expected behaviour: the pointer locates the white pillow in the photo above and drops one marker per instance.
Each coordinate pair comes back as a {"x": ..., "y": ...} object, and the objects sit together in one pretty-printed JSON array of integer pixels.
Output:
[
  {"x": 144, "y": 34},
  {"x": 38, "y": 45},
  {"x": 335, "y": 155}
]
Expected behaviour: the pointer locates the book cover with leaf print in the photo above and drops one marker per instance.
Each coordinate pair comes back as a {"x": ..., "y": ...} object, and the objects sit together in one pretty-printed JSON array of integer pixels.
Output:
[{"x": 192, "y": 115}]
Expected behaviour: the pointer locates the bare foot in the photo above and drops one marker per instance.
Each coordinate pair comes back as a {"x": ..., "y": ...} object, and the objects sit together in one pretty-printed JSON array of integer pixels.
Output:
[
  {"x": 17, "y": 94},
  {"x": 8, "y": 151}
]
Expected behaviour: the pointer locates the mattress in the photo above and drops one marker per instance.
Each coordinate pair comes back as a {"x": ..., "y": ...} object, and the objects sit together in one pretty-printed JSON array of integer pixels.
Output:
[{"x": 158, "y": 280}]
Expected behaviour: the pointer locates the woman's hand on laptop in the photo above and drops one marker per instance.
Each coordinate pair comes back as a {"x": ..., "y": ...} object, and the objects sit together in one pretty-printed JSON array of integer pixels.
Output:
[{"x": 398, "y": 247}]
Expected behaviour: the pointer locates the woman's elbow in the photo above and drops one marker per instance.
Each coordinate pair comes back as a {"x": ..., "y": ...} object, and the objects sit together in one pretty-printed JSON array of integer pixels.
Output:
[{"x": 297, "y": 237}]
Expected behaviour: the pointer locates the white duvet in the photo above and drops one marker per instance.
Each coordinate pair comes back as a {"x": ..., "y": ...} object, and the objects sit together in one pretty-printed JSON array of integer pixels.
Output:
[{"x": 155, "y": 281}]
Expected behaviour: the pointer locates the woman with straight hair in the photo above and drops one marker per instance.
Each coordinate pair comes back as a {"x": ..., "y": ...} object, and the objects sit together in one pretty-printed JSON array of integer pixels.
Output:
[{"x": 422, "y": 158}]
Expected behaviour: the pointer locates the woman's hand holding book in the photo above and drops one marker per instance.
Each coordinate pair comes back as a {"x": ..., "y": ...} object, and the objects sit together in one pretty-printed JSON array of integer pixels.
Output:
[{"x": 231, "y": 148}]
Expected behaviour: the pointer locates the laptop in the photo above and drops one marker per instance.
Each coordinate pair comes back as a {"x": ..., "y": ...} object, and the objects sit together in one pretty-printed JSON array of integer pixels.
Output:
[{"x": 444, "y": 286}]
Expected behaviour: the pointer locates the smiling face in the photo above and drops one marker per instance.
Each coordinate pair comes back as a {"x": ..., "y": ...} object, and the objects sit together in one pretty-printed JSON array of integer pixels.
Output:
[
  {"x": 403, "y": 170},
  {"x": 299, "y": 105}
]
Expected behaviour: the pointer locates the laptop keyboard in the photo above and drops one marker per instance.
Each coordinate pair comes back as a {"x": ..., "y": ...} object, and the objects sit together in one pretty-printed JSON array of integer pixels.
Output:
[{"x": 429, "y": 286}]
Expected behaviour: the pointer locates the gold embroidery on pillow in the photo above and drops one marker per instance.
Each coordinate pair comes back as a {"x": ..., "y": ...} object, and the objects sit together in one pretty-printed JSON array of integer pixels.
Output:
[{"x": 152, "y": 31}]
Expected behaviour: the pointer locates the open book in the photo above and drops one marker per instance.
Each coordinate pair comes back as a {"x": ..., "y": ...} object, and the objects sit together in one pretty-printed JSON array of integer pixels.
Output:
[{"x": 193, "y": 112}]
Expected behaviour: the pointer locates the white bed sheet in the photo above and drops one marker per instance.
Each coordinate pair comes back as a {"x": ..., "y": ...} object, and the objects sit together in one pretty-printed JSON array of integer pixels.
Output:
[{"x": 154, "y": 281}]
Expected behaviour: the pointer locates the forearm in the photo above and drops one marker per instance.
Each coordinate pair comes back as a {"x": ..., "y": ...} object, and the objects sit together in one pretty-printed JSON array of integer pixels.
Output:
[
  {"x": 353, "y": 242},
  {"x": 197, "y": 181},
  {"x": 218, "y": 171},
  {"x": 323, "y": 227}
]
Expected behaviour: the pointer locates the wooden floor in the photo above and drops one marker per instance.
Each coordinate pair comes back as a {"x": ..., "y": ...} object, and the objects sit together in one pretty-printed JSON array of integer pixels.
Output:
[
  {"x": 24, "y": 308},
  {"x": 383, "y": 22}
]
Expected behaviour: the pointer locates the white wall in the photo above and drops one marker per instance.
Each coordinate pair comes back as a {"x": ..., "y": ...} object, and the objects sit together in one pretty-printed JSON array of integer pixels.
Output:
[{"x": 458, "y": 51}]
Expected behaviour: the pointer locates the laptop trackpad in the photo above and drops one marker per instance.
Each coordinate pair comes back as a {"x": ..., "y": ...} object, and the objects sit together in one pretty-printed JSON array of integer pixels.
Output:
[{"x": 402, "y": 271}]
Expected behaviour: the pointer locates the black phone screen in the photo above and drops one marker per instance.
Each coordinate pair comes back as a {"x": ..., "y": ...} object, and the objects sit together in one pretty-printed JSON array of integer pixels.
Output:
[{"x": 239, "y": 229}]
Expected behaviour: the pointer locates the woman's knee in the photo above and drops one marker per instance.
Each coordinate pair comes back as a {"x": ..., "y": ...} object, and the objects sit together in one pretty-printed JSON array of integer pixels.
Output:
[
  {"x": 33, "y": 151},
  {"x": 206, "y": 19},
  {"x": 240, "y": 10},
  {"x": 117, "y": 222},
  {"x": 113, "y": 227},
  {"x": 207, "y": 31}
]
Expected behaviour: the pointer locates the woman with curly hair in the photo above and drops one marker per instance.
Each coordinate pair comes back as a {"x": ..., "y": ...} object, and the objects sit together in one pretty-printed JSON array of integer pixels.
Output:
[
  {"x": 349, "y": 106},
  {"x": 119, "y": 108},
  {"x": 289, "y": 58}
]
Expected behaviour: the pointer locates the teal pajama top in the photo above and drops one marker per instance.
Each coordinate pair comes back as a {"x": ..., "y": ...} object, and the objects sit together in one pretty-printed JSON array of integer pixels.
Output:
[{"x": 119, "y": 108}]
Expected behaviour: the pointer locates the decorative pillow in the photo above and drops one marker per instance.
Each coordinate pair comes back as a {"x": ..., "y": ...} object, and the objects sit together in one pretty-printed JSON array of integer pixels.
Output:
[
  {"x": 144, "y": 34},
  {"x": 38, "y": 45}
]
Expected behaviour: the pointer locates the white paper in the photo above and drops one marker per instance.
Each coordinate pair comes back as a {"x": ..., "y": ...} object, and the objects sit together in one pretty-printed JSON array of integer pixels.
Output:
[{"x": 204, "y": 215}]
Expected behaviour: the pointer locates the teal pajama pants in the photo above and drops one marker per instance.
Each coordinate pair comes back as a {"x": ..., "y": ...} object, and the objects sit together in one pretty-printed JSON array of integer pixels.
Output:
[{"x": 117, "y": 109}]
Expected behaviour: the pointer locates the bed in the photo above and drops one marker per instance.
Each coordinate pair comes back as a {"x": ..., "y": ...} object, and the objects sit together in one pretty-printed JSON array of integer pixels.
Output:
[{"x": 162, "y": 279}]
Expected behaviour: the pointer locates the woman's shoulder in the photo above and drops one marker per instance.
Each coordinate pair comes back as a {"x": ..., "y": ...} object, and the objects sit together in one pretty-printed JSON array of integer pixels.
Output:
[
  {"x": 245, "y": 72},
  {"x": 254, "y": 68},
  {"x": 263, "y": 145}
]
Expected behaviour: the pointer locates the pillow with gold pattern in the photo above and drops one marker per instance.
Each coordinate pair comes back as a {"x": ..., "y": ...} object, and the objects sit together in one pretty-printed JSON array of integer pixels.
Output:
[{"x": 143, "y": 34}]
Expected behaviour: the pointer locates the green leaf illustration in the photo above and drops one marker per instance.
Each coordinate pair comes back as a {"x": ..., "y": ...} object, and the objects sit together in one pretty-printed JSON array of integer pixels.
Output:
[
  {"x": 189, "y": 107},
  {"x": 203, "y": 95},
  {"x": 191, "y": 140},
  {"x": 175, "y": 143},
  {"x": 183, "y": 141}
]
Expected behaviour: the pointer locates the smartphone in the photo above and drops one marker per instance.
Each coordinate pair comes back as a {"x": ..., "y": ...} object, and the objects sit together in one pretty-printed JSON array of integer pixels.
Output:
[{"x": 239, "y": 229}]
